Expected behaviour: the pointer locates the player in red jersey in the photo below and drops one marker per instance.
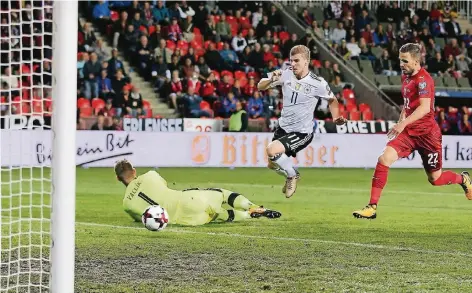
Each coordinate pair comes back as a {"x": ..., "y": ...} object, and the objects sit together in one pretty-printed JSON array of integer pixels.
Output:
[{"x": 416, "y": 131}]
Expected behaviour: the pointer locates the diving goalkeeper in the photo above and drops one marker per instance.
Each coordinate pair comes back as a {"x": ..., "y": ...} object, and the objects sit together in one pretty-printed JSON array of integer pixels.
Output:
[{"x": 185, "y": 207}]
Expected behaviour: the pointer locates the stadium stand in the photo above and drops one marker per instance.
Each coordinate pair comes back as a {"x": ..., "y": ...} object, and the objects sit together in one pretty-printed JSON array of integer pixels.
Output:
[
  {"x": 368, "y": 38},
  {"x": 195, "y": 54}
]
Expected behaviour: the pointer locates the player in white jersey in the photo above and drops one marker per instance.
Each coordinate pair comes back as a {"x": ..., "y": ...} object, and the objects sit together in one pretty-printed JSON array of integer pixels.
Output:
[{"x": 301, "y": 90}]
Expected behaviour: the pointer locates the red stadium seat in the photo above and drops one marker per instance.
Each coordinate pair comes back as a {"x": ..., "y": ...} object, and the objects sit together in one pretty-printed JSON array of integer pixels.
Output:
[
  {"x": 231, "y": 19},
  {"x": 216, "y": 18},
  {"x": 217, "y": 74},
  {"x": 83, "y": 102},
  {"x": 367, "y": 115},
  {"x": 196, "y": 31},
  {"x": 146, "y": 104},
  {"x": 284, "y": 36},
  {"x": 151, "y": 29},
  {"x": 199, "y": 52},
  {"x": 355, "y": 115},
  {"x": 114, "y": 16},
  {"x": 207, "y": 43},
  {"x": 171, "y": 45},
  {"x": 226, "y": 72},
  {"x": 98, "y": 103},
  {"x": 245, "y": 23},
  {"x": 245, "y": 31},
  {"x": 86, "y": 112},
  {"x": 205, "y": 105},
  {"x": 219, "y": 46},
  {"x": 275, "y": 48},
  {"x": 239, "y": 74},
  {"x": 351, "y": 107},
  {"x": 243, "y": 82},
  {"x": 195, "y": 44},
  {"x": 364, "y": 107},
  {"x": 38, "y": 107},
  {"x": 182, "y": 44}
]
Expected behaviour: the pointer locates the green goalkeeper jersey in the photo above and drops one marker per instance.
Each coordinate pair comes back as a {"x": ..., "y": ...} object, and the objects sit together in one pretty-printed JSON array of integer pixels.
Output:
[{"x": 184, "y": 207}]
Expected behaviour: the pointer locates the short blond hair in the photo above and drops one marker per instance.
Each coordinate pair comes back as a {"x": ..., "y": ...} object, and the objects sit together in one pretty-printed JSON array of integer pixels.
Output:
[{"x": 301, "y": 49}]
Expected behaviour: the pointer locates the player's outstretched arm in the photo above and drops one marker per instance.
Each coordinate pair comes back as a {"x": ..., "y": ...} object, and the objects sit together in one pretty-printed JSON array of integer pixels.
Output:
[
  {"x": 420, "y": 112},
  {"x": 334, "y": 109},
  {"x": 270, "y": 81}
]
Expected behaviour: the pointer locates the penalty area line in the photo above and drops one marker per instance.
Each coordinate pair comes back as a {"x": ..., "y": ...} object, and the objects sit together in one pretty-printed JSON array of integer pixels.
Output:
[{"x": 289, "y": 239}]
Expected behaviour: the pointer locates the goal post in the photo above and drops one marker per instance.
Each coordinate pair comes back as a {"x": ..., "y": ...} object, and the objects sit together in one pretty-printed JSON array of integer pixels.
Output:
[
  {"x": 64, "y": 125},
  {"x": 38, "y": 94}
]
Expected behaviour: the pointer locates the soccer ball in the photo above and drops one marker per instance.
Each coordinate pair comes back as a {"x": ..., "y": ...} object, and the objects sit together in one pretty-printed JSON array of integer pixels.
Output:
[{"x": 155, "y": 218}]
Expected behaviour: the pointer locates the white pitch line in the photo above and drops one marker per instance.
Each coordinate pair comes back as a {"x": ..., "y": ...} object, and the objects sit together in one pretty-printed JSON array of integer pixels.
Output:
[
  {"x": 301, "y": 186},
  {"x": 234, "y": 235}
]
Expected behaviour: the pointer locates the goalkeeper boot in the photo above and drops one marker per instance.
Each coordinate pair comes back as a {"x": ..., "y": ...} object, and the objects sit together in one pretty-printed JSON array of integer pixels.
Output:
[
  {"x": 263, "y": 212},
  {"x": 368, "y": 212},
  {"x": 467, "y": 184},
  {"x": 284, "y": 189}
]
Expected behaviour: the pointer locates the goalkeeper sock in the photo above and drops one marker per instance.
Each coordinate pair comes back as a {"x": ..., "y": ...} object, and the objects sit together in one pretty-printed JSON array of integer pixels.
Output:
[
  {"x": 238, "y": 201},
  {"x": 232, "y": 215},
  {"x": 448, "y": 177},
  {"x": 285, "y": 163},
  {"x": 379, "y": 180}
]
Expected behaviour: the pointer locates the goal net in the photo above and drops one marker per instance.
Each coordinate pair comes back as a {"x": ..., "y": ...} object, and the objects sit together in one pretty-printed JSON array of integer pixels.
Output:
[{"x": 28, "y": 134}]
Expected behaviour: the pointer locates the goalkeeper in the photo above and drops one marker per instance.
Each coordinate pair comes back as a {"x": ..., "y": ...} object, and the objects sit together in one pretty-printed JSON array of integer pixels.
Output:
[{"x": 185, "y": 207}]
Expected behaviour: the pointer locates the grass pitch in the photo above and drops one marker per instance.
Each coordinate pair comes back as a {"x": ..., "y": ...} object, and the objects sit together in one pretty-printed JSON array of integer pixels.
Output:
[{"x": 419, "y": 242}]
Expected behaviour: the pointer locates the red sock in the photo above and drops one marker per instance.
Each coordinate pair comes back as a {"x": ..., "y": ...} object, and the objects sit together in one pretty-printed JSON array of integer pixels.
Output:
[
  {"x": 378, "y": 182},
  {"x": 448, "y": 177}
]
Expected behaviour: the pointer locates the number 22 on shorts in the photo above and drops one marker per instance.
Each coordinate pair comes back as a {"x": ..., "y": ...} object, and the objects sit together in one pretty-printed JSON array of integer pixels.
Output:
[{"x": 433, "y": 159}]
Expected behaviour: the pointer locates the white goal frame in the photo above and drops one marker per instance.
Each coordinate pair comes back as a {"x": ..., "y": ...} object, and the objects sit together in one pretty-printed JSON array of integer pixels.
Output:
[{"x": 64, "y": 66}]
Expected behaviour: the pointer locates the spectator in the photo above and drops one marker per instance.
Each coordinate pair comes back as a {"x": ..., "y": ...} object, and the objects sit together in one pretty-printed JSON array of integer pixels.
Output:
[
  {"x": 134, "y": 104},
  {"x": 209, "y": 31},
  {"x": 257, "y": 16},
  {"x": 91, "y": 72},
  {"x": 223, "y": 30},
  {"x": 462, "y": 64},
  {"x": 229, "y": 57},
  {"x": 263, "y": 26},
  {"x": 100, "y": 124},
  {"x": 192, "y": 101},
  {"x": 239, "y": 43},
  {"x": 176, "y": 88},
  {"x": 339, "y": 33},
  {"x": 175, "y": 33},
  {"x": 236, "y": 90},
  {"x": 467, "y": 38},
  {"x": 337, "y": 85},
  {"x": 160, "y": 13},
  {"x": 423, "y": 13},
  {"x": 361, "y": 21},
  {"x": 343, "y": 50},
  {"x": 452, "y": 49},
  {"x": 224, "y": 87},
  {"x": 201, "y": 15},
  {"x": 275, "y": 19},
  {"x": 380, "y": 37},
  {"x": 101, "y": 13},
  {"x": 255, "y": 106},
  {"x": 160, "y": 72},
  {"x": 464, "y": 125},
  {"x": 105, "y": 88},
  {"x": 436, "y": 66},
  {"x": 203, "y": 68},
  {"x": 156, "y": 36},
  {"x": 147, "y": 14},
  {"x": 119, "y": 82},
  {"x": 98, "y": 48},
  {"x": 187, "y": 29},
  {"x": 317, "y": 30},
  {"x": 337, "y": 71},
  {"x": 84, "y": 58},
  {"x": 288, "y": 45},
  {"x": 130, "y": 40},
  {"x": 119, "y": 30},
  {"x": 267, "y": 54},
  {"x": 256, "y": 58},
  {"x": 306, "y": 16},
  {"x": 114, "y": 63},
  {"x": 451, "y": 67},
  {"x": 385, "y": 65},
  {"x": 367, "y": 35},
  {"x": 137, "y": 21},
  {"x": 144, "y": 56},
  {"x": 354, "y": 50},
  {"x": 327, "y": 72},
  {"x": 229, "y": 105},
  {"x": 188, "y": 69},
  {"x": 213, "y": 58},
  {"x": 88, "y": 37},
  {"x": 453, "y": 28},
  {"x": 251, "y": 38},
  {"x": 163, "y": 51},
  {"x": 250, "y": 88},
  {"x": 238, "y": 121},
  {"x": 443, "y": 123},
  {"x": 267, "y": 39}
]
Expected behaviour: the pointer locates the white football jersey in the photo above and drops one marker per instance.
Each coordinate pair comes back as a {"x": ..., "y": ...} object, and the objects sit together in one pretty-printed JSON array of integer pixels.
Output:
[{"x": 300, "y": 97}]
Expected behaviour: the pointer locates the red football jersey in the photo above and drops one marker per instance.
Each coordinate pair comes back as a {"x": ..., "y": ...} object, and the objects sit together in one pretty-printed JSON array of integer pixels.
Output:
[{"x": 414, "y": 88}]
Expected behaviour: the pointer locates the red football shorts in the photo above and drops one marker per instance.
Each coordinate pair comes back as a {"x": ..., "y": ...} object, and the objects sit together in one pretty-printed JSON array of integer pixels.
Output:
[{"x": 429, "y": 146}]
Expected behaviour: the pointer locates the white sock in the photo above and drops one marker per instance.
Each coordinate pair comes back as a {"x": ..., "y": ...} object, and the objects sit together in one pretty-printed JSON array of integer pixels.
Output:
[
  {"x": 281, "y": 172},
  {"x": 285, "y": 163}
]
